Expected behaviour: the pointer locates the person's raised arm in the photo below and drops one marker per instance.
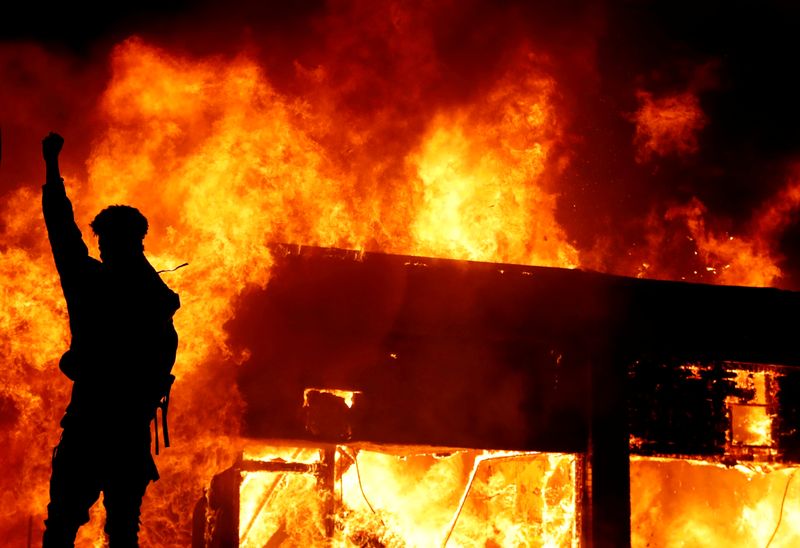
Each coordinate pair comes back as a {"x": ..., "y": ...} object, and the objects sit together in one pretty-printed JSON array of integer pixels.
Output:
[
  {"x": 51, "y": 148},
  {"x": 69, "y": 250}
]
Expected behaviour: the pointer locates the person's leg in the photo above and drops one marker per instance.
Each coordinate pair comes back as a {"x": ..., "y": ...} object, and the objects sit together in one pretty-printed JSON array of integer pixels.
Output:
[
  {"x": 74, "y": 488},
  {"x": 122, "y": 497}
]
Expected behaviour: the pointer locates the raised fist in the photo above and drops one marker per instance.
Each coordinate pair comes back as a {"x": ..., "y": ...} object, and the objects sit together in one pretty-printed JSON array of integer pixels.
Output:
[{"x": 51, "y": 146}]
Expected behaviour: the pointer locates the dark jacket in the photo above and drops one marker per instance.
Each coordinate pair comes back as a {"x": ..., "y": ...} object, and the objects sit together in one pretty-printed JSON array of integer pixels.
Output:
[{"x": 123, "y": 339}]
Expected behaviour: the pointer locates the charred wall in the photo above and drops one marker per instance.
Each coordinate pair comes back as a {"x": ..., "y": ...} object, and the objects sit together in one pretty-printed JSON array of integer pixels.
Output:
[{"x": 456, "y": 353}]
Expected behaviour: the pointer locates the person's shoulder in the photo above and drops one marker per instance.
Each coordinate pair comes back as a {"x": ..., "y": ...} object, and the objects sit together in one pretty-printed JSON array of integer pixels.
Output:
[
  {"x": 82, "y": 268},
  {"x": 168, "y": 299}
]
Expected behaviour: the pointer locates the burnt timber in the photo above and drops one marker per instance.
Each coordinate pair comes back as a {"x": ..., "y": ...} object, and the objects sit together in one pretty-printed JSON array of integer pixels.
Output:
[
  {"x": 468, "y": 354},
  {"x": 453, "y": 353}
]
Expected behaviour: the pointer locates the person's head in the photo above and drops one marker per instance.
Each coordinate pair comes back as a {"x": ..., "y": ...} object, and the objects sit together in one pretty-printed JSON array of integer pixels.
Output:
[{"x": 120, "y": 231}]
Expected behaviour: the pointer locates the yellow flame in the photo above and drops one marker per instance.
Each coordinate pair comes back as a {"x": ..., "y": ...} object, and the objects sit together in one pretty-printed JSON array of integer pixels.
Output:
[
  {"x": 678, "y": 503},
  {"x": 222, "y": 164},
  {"x": 472, "y": 498}
]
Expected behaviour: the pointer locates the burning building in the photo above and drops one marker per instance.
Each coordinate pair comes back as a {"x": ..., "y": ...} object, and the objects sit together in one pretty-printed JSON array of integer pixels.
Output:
[
  {"x": 577, "y": 240},
  {"x": 543, "y": 380}
]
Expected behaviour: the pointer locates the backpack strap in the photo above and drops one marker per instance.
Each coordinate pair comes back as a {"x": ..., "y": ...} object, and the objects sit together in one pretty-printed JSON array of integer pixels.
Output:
[{"x": 163, "y": 404}]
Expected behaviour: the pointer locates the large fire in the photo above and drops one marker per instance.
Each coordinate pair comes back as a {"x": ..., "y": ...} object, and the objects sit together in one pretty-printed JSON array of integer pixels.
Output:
[
  {"x": 223, "y": 162},
  {"x": 423, "y": 499}
]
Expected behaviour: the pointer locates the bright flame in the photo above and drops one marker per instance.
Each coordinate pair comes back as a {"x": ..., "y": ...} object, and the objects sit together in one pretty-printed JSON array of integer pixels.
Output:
[
  {"x": 465, "y": 498},
  {"x": 748, "y": 258},
  {"x": 751, "y": 425},
  {"x": 222, "y": 164},
  {"x": 735, "y": 261},
  {"x": 694, "y": 503},
  {"x": 480, "y": 171}
]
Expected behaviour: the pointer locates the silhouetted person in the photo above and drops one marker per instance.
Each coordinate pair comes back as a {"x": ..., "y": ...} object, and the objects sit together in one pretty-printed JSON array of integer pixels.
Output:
[{"x": 122, "y": 350}]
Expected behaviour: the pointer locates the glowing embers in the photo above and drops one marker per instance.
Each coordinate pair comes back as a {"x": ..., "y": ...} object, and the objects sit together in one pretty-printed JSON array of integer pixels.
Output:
[
  {"x": 720, "y": 410},
  {"x": 735, "y": 416},
  {"x": 751, "y": 420},
  {"x": 403, "y": 497},
  {"x": 751, "y": 426}
]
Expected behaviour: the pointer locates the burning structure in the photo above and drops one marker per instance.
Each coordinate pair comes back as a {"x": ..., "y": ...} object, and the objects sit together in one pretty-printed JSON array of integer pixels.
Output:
[
  {"x": 430, "y": 358},
  {"x": 646, "y": 141}
]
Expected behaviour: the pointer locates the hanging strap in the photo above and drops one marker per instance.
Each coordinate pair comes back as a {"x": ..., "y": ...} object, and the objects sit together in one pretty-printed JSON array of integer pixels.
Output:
[{"x": 164, "y": 406}]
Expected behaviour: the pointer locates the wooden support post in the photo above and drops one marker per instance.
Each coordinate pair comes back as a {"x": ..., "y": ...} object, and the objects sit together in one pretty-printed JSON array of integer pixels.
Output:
[
  {"x": 223, "y": 507},
  {"x": 326, "y": 481},
  {"x": 200, "y": 522},
  {"x": 605, "y": 497}
]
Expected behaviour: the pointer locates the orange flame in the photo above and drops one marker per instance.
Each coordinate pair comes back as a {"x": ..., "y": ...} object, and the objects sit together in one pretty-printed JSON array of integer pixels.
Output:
[
  {"x": 455, "y": 499},
  {"x": 223, "y": 163},
  {"x": 735, "y": 261},
  {"x": 667, "y": 125},
  {"x": 750, "y": 259},
  {"x": 696, "y": 503}
]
